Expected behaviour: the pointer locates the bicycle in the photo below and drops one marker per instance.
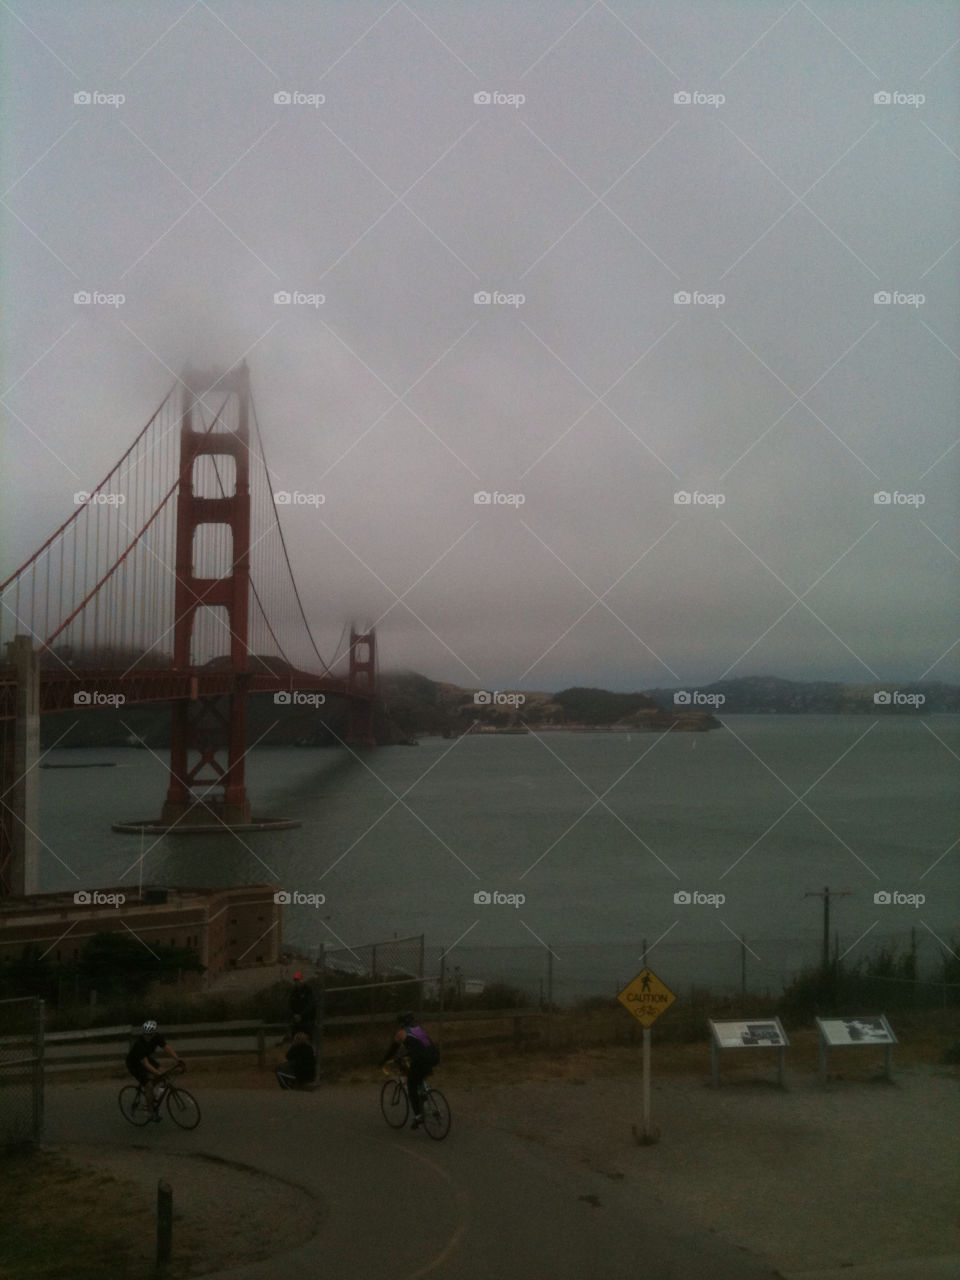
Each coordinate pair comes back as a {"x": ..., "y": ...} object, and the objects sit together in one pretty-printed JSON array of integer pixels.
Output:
[
  {"x": 182, "y": 1107},
  {"x": 395, "y": 1103}
]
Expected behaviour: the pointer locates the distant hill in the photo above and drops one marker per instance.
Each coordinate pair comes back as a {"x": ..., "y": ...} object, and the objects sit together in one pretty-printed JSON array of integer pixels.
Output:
[
  {"x": 770, "y": 694},
  {"x": 412, "y": 705}
]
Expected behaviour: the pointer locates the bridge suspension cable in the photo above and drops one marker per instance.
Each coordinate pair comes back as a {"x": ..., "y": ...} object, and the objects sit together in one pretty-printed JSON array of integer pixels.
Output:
[{"x": 100, "y": 591}]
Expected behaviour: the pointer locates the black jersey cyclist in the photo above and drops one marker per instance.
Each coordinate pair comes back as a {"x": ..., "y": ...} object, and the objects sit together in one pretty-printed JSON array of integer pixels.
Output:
[{"x": 141, "y": 1063}]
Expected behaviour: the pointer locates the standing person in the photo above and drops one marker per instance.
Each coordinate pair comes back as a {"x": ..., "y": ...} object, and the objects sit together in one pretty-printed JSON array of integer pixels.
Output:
[
  {"x": 301, "y": 1065},
  {"x": 141, "y": 1063},
  {"x": 303, "y": 1007},
  {"x": 412, "y": 1042}
]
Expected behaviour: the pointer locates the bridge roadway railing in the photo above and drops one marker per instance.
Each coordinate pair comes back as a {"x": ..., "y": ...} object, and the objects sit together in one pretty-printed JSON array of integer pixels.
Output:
[{"x": 103, "y": 1046}]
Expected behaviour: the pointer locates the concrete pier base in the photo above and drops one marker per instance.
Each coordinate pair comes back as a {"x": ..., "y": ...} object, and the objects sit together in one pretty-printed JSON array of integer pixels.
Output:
[{"x": 159, "y": 827}]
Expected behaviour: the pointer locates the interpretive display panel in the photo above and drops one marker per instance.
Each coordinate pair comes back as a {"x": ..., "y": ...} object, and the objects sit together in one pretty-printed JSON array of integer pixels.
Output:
[
  {"x": 753, "y": 1033},
  {"x": 862, "y": 1032}
]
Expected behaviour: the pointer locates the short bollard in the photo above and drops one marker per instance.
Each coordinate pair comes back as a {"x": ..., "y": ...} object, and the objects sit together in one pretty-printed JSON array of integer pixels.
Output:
[{"x": 164, "y": 1224}]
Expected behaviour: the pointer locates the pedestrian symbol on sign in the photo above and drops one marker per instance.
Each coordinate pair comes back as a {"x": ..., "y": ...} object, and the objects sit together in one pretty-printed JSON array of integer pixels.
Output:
[{"x": 646, "y": 997}]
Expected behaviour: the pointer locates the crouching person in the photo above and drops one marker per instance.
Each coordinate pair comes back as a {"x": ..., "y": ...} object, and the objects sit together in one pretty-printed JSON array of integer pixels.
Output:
[{"x": 301, "y": 1064}]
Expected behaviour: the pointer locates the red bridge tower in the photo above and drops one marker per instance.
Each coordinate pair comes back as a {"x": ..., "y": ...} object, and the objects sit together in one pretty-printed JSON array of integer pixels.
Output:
[{"x": 210, "y": 726}]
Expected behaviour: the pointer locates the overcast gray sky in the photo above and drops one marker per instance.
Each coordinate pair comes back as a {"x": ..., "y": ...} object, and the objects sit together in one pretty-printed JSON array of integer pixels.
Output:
[{"x": 782, "y": 195}]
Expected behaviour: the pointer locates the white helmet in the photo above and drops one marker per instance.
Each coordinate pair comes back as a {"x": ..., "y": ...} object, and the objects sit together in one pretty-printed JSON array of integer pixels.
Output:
[{"x": 149, "y": 1027}]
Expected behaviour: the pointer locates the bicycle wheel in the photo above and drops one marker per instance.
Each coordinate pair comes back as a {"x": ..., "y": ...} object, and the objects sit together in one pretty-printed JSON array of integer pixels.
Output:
[
  {"x": 436, "y": 1114},
  {"x": 182, "y": 1108},
  {"x": 394, "y": 1104},
  {"x": 134, "y": 1105}
]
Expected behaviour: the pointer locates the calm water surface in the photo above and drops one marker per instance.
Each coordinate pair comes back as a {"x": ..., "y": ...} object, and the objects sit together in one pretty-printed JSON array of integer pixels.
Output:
[{"x": 597, "y": 831}]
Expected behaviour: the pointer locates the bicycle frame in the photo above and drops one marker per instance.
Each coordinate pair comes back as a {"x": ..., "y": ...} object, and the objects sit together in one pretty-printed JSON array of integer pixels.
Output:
[
  {"x": 163, "y": 1081},
  {"x": 396, "y": 1104},
  {"x": 181, "y": 1105}
]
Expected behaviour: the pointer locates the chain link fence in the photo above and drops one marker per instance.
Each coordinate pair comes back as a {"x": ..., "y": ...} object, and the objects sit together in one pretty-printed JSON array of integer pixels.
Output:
[
  {"x": 21, "y": 1071},
  {"x": 373, "y": 977},
  {"x": 921, "y": 972}
]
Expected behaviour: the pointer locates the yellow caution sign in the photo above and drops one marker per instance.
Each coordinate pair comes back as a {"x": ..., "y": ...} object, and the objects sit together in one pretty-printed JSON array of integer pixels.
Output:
[{"x": 646, "y": 997}]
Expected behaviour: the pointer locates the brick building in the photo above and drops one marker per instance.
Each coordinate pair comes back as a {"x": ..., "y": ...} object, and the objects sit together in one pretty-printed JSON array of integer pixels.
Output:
[{"x": 228, "y": 928}]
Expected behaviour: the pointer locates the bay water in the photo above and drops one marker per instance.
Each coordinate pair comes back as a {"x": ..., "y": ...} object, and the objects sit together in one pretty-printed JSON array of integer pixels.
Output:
[{"x": 551, "y": 857}]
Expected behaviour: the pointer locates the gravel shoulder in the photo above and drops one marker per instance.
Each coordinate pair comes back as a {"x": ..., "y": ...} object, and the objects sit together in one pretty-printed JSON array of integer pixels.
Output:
[
  {"x": 816, "y": 1176},
  {"x": 223, "y": 1214}
]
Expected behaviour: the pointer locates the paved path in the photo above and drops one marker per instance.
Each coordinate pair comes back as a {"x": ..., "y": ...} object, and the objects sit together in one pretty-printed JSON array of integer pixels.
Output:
[{"x": 397, "y": 1206}]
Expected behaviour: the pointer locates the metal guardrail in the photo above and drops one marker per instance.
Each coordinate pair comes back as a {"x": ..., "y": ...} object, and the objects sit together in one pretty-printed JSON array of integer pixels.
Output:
[{"x": 73, "y": 1050}]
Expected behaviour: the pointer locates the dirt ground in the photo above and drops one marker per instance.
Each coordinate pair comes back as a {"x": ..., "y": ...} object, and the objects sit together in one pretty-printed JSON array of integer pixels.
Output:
[
  {"x": 84, "y": 1206},
  {"x": 815, "y": 1175},
  {"x": 819, "y": 1176}
]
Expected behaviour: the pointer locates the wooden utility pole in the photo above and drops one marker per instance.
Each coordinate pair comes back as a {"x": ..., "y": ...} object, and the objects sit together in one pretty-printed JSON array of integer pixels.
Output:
[{"x": 825, "y": 895}]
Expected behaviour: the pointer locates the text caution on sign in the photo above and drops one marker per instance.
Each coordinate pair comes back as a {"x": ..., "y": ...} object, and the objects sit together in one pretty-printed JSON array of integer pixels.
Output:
[{"x": 646, "y": 997}]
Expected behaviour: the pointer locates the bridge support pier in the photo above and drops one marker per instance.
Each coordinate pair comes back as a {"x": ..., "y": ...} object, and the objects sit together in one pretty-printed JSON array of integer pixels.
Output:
[
  {"x": 362, "y": 679},
  {"x": 204, "y": 726},
  {"x": 20, "y": 778}
]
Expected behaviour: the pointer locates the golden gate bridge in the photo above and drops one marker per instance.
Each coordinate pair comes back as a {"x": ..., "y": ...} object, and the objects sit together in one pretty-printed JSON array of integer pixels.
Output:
[{"x": 169, "y": 582}]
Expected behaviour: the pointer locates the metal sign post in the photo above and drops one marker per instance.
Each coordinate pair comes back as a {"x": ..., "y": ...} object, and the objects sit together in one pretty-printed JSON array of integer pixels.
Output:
[
  {"x": 646, "y": 997},
  {"x": 646, "y": 1135}
]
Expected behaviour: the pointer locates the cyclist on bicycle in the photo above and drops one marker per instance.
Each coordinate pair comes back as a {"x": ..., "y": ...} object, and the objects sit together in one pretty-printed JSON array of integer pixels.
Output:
[
  {"x": 411, "y": 1042},
  {"x": 141, "y": 1063}
]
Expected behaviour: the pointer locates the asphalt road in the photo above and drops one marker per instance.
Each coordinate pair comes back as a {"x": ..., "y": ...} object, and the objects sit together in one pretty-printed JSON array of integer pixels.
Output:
[{"x": 397, "y": 1206}]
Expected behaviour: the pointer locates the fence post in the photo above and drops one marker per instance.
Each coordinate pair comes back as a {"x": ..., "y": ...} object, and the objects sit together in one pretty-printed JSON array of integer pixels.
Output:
[
  {"x": 261, "y": 1047},
  {"x": 420, "y": 983},
  {"x": 164, "y": 1224},
  {"x": 322, "y": 998},
  {"x": 373, "y": 975},
  {"x": 549, "y": 994},
  {"x": 743, "y": 975},
  {"x": 38, "y": 1042}
]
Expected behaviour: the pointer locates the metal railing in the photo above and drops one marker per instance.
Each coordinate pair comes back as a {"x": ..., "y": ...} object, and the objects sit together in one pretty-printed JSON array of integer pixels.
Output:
[{"x": 75, "y": 1050}]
